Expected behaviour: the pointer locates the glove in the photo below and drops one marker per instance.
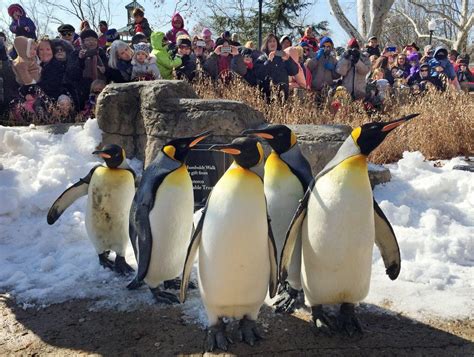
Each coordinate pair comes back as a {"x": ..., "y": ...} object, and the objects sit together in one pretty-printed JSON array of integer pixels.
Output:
[
  {"x": 347, "y": 54},
  {"x": 320, "y": 53},
  {"x": 355, "y": 57},
  {"x": 329, "y": 66}
]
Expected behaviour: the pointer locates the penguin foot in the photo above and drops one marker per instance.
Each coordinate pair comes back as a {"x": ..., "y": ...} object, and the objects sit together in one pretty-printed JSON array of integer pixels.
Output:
[
  {"x": 217, "y": 338},
  {"x": 121, "y": 266},
  {"x": 163, "y": 297},
  {"x": 175, "y": 284},
  {"x": 288, "y": 300},
  {"x": 105, "y": 262},
  {"x": 323, "y": 322},
  {"x": 248, "y": 331},
  {"x": 347, "y": 320},
  {"x": 135, "y": 284}
]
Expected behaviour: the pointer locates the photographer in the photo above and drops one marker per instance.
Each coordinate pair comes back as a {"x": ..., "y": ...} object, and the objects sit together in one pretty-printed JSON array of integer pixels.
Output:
[
  {"x": 218, "y": 64},
  {"x": 322, "y": 66},
  {"x": 353, "y": 67},
  {"x": 86, "y": 64}
]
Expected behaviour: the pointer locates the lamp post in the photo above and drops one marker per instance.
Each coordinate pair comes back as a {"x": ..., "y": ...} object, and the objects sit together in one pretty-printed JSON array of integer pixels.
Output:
[
  {"x": 431, "y": 28},
  {"x": 260, "y": 4}
]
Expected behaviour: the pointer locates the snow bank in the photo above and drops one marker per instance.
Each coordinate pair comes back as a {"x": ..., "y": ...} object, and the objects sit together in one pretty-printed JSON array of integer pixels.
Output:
[{"x": 430, "y": 208}]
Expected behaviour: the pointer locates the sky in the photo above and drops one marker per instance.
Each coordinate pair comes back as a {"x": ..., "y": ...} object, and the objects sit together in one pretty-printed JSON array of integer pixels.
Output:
[{"x": 320, "y": 11}]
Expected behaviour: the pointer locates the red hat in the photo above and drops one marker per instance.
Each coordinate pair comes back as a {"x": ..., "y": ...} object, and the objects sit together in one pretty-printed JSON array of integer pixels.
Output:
[
  {"x": 15, "y": 7},
  {"x": 353, "y": 43}
]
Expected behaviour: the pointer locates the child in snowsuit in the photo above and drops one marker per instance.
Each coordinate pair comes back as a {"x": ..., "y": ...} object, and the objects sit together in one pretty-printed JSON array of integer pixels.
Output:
[{"x": 144, "y": 65}]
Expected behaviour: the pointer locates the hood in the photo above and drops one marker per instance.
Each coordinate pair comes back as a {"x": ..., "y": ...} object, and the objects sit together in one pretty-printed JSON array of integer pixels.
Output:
[
  {"x": 324, "y": 40},
  {"x": 438, "y": 49},
  {"x": 16, "y": 7},
  {"x": 177, "y": 16},
  {"x": 22, "y": 46},
  {"x": 156, "y": 40},
  {"x": 206, "y": 32}
]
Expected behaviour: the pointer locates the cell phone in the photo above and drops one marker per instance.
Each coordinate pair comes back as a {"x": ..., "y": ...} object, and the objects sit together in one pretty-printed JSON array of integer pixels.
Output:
[
  {"x": 392, "y": 49},
  {"x": 226, "y": 49},
  {"x": 279, "y": 53},
  {"x": 200, "y": 43},
  {"x": 90, "y": 53}
]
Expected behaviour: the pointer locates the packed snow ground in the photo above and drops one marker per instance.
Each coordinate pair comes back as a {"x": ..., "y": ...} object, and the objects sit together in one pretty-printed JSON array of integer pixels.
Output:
[{"x": 431, "y": 210}]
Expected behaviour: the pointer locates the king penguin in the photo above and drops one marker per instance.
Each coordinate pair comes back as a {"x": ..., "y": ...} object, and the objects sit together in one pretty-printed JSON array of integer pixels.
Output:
[
  {"x": 340, "y": 221},
  {"x": 161, "y": 218},
  {"x": 109, "y": 189},
  {"x": 287, "y": 176},
  {"x": 237, "y": 255}
]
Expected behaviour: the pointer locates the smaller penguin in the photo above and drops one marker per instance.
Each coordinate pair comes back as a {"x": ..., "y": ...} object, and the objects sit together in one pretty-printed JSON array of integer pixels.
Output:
[
  {"x": 340, "y": 221},
  {"x": 109, "y": 189},
  {"x": 237, "y": 255},
  {"x": 287, "y": 176},
  {"x": 161, "y": 218}
]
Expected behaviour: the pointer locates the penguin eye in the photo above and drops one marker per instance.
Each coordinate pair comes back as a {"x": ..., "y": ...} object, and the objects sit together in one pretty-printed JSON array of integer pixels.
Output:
[{"x": 280, "y": 134}]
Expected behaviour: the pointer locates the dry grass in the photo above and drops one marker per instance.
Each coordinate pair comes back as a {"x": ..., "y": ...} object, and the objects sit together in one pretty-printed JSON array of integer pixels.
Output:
[{"x": 442, "y": 131}]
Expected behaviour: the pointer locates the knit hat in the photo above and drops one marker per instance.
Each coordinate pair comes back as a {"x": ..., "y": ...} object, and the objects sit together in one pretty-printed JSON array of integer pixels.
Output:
[
  {"x": 183, "y": 41},
  {"x": 142, "y": 47},
  {"x": 413, "y": 57},
  {"x": 66, "y": 28},
  {"x": 353, "y": 43},
  {"x": 206, "y": 32},
  {"x": 88, "y": 33},
  {"x": 16, "y": 7}
]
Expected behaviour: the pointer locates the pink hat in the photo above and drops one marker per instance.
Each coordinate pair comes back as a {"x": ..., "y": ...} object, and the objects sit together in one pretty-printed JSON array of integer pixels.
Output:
[{"x": 206, "y": 32}]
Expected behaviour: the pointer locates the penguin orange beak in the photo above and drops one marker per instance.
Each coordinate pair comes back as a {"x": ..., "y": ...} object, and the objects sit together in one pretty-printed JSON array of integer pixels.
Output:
[
  {"x": 258, "y": 132},
  {"x": 102, "y": 154},
  {"x": 198, "y": 138},
  {"x": 396, "y": 123},
  {"x": 227, "y": 148}
]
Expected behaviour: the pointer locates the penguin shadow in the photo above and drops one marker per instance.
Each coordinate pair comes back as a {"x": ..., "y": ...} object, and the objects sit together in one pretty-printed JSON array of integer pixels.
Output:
[{"x": 166, "y": 331}]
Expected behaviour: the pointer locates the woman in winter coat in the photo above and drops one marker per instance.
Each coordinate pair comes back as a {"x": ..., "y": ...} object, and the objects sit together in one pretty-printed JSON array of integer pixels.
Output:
[
  {"x": 120, "y": 63},
  {"x": 274, "y": 65},
  {"x": 52, "y": 71}
]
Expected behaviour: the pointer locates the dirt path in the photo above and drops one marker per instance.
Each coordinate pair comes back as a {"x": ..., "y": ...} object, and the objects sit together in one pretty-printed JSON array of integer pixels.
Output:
[{"x": 72, "y": 329}]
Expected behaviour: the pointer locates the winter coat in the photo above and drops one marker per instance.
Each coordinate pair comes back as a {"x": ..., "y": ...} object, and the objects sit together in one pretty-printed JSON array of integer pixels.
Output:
[
  {"x": 143, "y": 27},
  {"x": 238, "y": 66},
  {"x": 465, "y": 76},
  {"x": 26, "y": 70},
  {"x": 445, "y": 63},
  {"x": 52, "y": 78},
  {"x": 148, "y": 68},
  {"x": 18, "y": 27},
  {"x": 187, "y": 70},
  {"x": 371, "y": 51},
  {"x": 218, "y": 66},
  {"x": 121, "y": 74},
  {"x": 354, "y": 76},
  {"x": 171, "y": 34},
  {"x": 165, "y": 62},
  {"x": 322, "y": 70}
]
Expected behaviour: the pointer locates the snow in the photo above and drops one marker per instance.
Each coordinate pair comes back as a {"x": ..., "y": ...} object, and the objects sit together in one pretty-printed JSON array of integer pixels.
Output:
[{"x": 431, "y": 210}]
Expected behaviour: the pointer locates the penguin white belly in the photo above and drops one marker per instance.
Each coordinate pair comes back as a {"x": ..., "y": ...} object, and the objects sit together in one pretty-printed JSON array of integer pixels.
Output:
[
  {"x": 109, "y": 200},
  {"x": 234, "y": 263},
  {"x": 283, "y": 191},
  {"x": 338, "y": 236},
  {"x": 171, "y": 222}
]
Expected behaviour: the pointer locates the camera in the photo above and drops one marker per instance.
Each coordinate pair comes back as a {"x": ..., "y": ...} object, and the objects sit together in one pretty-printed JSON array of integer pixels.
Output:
[
  {"x": 279, "y": 53},
  {"x": 226, "y": 49},
  {"x": 353, "y": 55},
  {"x": 200, "y": 43}
]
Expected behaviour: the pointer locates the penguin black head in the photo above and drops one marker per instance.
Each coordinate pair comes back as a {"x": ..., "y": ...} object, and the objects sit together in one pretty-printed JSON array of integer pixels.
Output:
[
  {"x": 371, "y": 135},
  {"x": 246, "y": 151},
  {"x": 112, "y": 154},
  {"x": 178, "y": 149},
  {"x": 280, "y": 137}
]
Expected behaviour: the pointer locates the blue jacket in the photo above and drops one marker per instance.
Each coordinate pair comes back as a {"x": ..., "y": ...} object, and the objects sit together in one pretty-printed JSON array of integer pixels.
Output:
[
  {"x": 448, "y": 67},
  {"x": 18, "y": 27}
]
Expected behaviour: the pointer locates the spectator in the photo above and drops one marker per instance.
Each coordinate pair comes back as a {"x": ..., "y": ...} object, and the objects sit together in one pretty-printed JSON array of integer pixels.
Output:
[
  {"x": 464, "y": 75},
  {"x": 427, "y": 54},
  {"x": 276, "y": 66},
  {"x": 140, "y": 23},
  {"x": 3, "y": 47},
  {"x": 139, "y": 37},
  {"x": 85, "y": 66},
  {"x": 353, "y": 67},
  {"x": 372, "y": 47},
  {"x": 322, "y": 67},
  {"x": 177, "y": 25},
  {"x": 111, "y": 35},
  {"x": 414, "y": 61},
  {"x": 440, "y": 58},
  {"x": 84, "y": 26},
  {"x": 453, "y": 56},
  {"x": 200, "y": 56},
  {"x": 242, "y": 64},
  {"x": 403, "y": 65},
  {"x": 285, "y": 42},
  {"x": 422, "y": 80},
  {"x": 235, "y": 40},
  {"x": 103, "y": 27},
  {"x": 166, "y": 63},
  {"x": 218, "y": 64},
  {"x": 120, "y": 62},
  {"x": 307, "y": 51},
  {"x": 26, "y": 70},
  {"x": 187, "y": 70},
  {"x": 310, "y": 39},
  {"x": 31, "y": 106},
  {"x": 21, "y": 24},
  {"x": 382, "y": 63},
  {"x": 144, "y": 65},
  {"x": 8, "y": 84},
  {"x": 67, "y": 33},
  {"x": 207, "y": 37},
  {"x": 250, "y": 45},
  {"x": 411, "y": 48},
  {"x": 373, "y": 59},
  {"x": 61, "y": 49}
]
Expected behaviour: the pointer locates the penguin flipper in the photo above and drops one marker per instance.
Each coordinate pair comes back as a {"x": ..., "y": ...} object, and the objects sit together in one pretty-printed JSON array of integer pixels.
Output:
[
  {"x": 293, "y": 233},
  {"x": 191, "y": 254},
  {"x": 273, "y": 286},
  {"x": 69, "y": 196},
  {"x": 386, "y": 241}
]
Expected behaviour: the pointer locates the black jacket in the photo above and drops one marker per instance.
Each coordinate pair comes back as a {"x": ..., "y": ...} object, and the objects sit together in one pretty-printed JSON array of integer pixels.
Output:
[
  {"x": 52, "y": 78},
  {"x": 187, "y": 70},
  {"x": 248, "y": 74}
]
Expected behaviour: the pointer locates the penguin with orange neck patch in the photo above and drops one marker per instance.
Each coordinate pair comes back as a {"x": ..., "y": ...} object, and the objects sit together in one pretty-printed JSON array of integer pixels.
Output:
[
  {"x": 339, "y": 221},
  {"x": 287, "y": 176},
  {"x": 161, "y": 218}
]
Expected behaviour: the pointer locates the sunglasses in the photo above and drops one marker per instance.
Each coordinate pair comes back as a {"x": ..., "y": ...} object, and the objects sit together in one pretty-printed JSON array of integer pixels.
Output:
[
  {"x": 184, "y": 47},
  {"x": 423, "y": 70},
  {"x": 59, "y": 49},
  {"x": 66, "y": 33}
]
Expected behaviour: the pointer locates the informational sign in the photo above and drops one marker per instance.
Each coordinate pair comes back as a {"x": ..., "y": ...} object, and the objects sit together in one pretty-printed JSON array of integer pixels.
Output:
[{"x": 206, "y": 168}]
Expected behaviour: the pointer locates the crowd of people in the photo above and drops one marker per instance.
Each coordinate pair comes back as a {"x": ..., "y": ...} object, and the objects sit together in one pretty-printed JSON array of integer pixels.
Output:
[{"x": 61, "y": 77}]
